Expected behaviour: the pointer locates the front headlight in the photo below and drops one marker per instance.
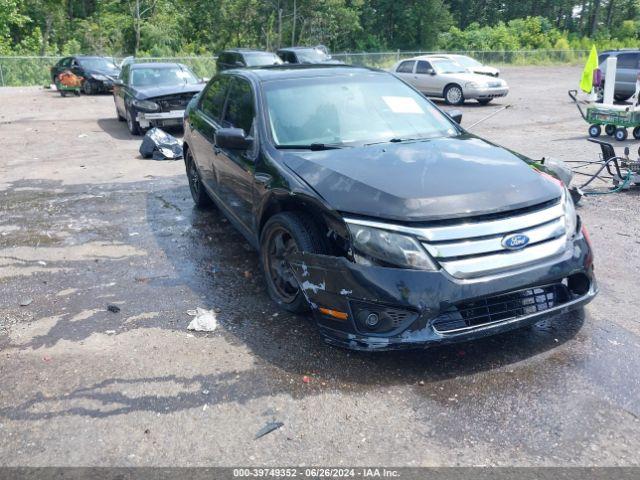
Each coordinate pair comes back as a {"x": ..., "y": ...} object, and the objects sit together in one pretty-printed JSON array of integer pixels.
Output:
[
  {"x": 146, "y": 105},
  {"x": 570, "y": 215},
  {"x": 471, "y": 85},
  {"x": 390, "y": 248},
  {"x": 97, "y": 76}
]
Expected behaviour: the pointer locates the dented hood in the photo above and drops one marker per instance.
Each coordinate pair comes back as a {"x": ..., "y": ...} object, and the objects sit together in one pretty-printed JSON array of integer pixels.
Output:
[{"x": 426, "y": 180}]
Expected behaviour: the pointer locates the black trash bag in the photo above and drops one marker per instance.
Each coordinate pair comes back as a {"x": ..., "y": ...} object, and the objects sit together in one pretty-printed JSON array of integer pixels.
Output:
[{"x": 159, "y": 145}]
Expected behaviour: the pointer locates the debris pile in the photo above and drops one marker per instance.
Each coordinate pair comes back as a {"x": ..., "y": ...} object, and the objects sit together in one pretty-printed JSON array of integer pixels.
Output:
[{"x": 159, "y": 145}]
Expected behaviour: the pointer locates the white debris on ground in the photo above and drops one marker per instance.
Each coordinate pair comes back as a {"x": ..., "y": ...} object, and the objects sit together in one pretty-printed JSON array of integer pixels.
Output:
[{"x": 204, "y": 321}]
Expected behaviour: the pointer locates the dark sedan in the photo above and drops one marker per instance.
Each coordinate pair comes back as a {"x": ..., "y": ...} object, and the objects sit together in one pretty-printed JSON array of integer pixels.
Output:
[
  {"x": 380, "y": 213},
  {"x": 154, "y": 94},
  {"x": 99, "y": 73}
]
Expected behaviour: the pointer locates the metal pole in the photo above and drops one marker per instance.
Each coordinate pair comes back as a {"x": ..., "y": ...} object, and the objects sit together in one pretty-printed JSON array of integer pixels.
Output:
[{"x": 1, "y": 76}]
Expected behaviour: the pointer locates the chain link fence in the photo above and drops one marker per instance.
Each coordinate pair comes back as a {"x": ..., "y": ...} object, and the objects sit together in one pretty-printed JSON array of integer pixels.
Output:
[{"x": 25, "y": 71}]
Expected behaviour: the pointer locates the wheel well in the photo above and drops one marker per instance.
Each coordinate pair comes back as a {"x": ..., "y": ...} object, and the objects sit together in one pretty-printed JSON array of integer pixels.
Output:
[
  {"x": 450, "y": 85},
  {"x": 185, "y": 149}
]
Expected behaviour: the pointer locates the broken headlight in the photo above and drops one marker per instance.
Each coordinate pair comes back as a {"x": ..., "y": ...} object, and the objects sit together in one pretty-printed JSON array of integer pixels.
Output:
[
  {"x": 146, "y": 105},
  {"x": 388, "y": 248},
  {"x": 570, "y": 215}
]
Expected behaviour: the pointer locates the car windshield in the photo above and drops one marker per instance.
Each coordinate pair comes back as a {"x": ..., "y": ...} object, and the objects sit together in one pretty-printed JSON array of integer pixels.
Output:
[
  {"x": 162, "y": 76},
  {"x": 350, "y": 110},
  {"x": 260, "y": 59},
  {"x": 467, "y": 61},
  {"x": 448, "y": 66},
  {"x": 97, "y": 63},
  {"x": 312, "y": 55}
]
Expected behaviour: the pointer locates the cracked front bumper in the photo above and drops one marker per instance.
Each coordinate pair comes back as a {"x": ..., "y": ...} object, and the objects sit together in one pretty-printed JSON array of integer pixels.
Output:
[
  {"x": 174, "y": 117},
  {"x": 336, "y": 284}
]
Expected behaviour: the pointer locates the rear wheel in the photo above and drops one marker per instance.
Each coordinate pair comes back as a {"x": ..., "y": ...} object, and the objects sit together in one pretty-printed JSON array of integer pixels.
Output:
[
  {"x": 610, "y": 130},
  {"x": 622, "y": 98},
  {"x": 284, "y": 234},
  {"x": 636, "y": 133},
  {"x": 198, "y": 193},
  {"x": 453, "y": 95}
]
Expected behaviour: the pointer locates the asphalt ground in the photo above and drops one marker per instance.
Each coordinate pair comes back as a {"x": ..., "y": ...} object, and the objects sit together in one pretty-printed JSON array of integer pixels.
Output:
[{"x": 85, "y": 222}]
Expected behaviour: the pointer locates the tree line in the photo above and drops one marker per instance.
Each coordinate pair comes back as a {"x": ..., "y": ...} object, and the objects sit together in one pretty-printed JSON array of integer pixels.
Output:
[{"x": 203, "y": 27}]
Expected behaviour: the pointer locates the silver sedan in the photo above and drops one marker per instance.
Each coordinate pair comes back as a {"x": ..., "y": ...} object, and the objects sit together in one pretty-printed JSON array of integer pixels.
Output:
[{"x": 444, "y": 78}]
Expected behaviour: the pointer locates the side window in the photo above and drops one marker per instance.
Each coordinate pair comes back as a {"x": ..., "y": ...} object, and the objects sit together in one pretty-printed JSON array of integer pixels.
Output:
[
  {"x": 224, "y": 58},
  {"x": 423, "y": 67},
  {"x": 213, "y": 97},
  {"x": 406, "y": 67},
  {"x": 240, "y": 110},
  {"x": 628, "y": 60},
  {"x": 65, "y": 62}
]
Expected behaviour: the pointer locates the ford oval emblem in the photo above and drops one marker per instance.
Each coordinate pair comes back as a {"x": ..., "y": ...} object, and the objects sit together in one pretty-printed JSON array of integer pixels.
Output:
[{"x": 515, "y": 242}]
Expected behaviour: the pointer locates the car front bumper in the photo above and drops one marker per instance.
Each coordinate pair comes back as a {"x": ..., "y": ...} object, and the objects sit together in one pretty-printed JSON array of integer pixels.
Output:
[
  {"x": 335, "y": 284},
  {"x": 485, "y": 93},
  {"x": 172, "y": 118}
]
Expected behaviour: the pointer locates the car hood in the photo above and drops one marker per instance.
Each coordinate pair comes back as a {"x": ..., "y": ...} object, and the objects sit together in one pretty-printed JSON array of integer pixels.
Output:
[
  {"x": 427, "y": 180},
  {"x": 485, "y": 70},
  {"x": 466, "y": 77},
  {"x": 151, "y": 92},
  {"x": 113, "y": 73}
]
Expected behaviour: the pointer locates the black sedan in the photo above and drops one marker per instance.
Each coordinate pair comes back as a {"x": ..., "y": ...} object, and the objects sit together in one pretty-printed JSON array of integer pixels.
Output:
[
  {"x": 380, "y": 213},
  {"x": 154, "y": 94},
  {"x": 99, "y": 73}
]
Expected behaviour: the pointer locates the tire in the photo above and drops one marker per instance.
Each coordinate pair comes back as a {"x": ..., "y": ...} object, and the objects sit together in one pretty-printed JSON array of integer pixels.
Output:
[
  {"x": 87, "y": 88},
  {"x": 120, "y": 117},
  {"x": 453, "y": 95},
  {"x": 132, "y": 124},
  {"x": 621, "y": 134},
  {"x": 484, "y": 101},
  {"x": 621, "y": 98},
  {"x": 636, "y": 133},
  {"x": 595, "y": 131},
  {"x": 610, "y": 129},
  {"x": 198, "y": 193},
  {"x": 297, "y": 232}
]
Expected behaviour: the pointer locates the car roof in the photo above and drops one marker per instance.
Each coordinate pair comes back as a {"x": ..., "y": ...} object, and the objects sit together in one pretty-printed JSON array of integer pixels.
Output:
[
  {"x": 244, "y": 50},
  {"x": 288, "y": 71},
  {"x": 622, "y": 50},
  {"x": 142, "y": 65},
  {"x": 294, "y": 49},
  {"x": 424, "y": 57}
]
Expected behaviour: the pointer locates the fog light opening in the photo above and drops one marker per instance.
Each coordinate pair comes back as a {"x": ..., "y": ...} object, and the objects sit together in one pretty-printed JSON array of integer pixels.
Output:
[
  {"x": 372, "y": 320},
  {"x": 578, "y": 284}
]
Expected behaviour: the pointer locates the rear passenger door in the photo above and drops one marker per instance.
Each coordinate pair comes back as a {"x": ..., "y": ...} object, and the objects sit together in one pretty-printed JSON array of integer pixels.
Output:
[
  {"x": 236, "y": 168},
  {"x": 405, "y": 71},
  {"x": 203, "y": 123}
]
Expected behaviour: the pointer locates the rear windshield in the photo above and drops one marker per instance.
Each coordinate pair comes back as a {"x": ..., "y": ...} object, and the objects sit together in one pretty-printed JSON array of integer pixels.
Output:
[
  {"x": 162, "y": 76},
  {"x": 97, "y": 63},
  {"x": 260, "y": 59},
  {"x": 349, "y": 109}
]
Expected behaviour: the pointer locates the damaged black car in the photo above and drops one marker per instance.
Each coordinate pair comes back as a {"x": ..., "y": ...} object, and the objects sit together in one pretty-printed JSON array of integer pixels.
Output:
[{"x": 378, "y": 212}]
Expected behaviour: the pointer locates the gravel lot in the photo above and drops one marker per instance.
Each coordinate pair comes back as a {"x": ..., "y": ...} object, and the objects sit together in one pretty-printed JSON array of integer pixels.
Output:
[{"x": 85, "y": 222}]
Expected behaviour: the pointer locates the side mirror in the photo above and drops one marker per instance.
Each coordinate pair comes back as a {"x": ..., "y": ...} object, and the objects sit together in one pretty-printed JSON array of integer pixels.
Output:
[
  {"x": 232, "y": 139},
  {"x": 238, "y": 63},
  {"x": 431, "y": 71},
  {"x": 455, "y": 115},
  {"x": 118, "y": 82},
  {"x": 204, "y": 79}
]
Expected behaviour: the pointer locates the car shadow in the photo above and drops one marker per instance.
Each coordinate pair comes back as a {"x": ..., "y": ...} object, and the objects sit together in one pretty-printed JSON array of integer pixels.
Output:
[{"x": 115, "y": 128}]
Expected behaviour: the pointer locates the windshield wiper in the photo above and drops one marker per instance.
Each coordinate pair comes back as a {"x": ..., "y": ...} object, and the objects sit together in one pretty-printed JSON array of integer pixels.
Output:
[
  {"x": 314, "y": 146},
  {"x": 398, "y": 140}
]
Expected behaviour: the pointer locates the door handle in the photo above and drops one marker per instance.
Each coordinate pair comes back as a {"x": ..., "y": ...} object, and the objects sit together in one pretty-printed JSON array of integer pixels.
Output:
[{"x": 263, "y": 178}]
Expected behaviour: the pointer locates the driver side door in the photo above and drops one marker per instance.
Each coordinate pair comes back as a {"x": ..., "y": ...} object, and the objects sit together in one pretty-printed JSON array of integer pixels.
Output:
[
  {"x": 424, "y": 80},
  {"x": 236, "y": 168}
]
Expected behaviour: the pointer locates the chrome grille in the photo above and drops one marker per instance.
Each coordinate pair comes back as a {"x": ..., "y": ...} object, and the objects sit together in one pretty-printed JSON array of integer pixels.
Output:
[
  {"x": 501, "y": 308},
  {"x": 174, "y": 102},
  {"x": 475, "y": 249}
]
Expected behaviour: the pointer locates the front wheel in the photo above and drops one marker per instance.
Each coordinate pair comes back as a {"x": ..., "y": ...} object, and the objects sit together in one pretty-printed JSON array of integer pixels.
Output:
[
  {"x": 621, "y": 134},
  {"x": 132, "y": 123},
  {"x": 595, "y": 131},
  {"x": 87, "y": 88},
  {"x": 636, "y": 133},
  {"x": 284, "y": 234},
  {"x": 453, "y": 95}
]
